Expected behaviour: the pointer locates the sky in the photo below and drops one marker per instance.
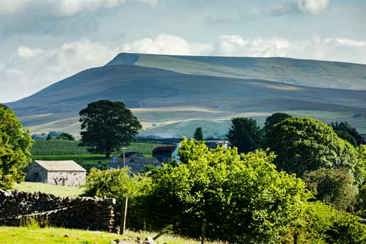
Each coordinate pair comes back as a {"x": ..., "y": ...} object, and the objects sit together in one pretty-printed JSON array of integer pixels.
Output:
[{"x": 44, "y": 41}]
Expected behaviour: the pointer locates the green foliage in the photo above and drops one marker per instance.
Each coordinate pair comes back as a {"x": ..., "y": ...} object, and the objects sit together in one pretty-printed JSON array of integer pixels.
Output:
[
  {"x": 274, "y": 119},
  {"x": 65, "y": 136},
  {"x": 305, "y": 144},
  {"x": 58, "y": 147},
  {"x": 361, "y": 166},
  {"x": 117, "y": 183},
  {"x": 107, "y": 126},
  {"x": 198, "y": 134},
  {"x": 361, "y": 203},
  {"x": 334, "y": 186},
  {"x": 222, "y": 195},
  {"x": 245, "y": 134},
  {"x": 15, "y": 148},
  {"x": 345, "y": 131},
  {"x": 324, "y": 224}
]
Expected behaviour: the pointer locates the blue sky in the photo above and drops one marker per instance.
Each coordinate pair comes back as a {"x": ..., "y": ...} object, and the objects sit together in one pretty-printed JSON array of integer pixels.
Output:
[{"x": 43, "y": 41}]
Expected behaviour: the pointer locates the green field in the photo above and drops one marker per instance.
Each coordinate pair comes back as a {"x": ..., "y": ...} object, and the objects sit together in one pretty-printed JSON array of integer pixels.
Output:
[
  {"x": 24, "y": 235},
  {"x": 70, "y": 150},
  {"x": 60, "y": 191}
]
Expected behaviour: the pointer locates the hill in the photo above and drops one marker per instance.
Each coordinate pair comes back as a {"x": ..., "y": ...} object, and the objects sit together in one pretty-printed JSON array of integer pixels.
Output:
[{"x": 174, "y": 94}]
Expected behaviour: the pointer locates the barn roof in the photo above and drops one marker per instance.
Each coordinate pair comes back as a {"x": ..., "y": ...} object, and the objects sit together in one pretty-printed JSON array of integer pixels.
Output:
[{"x": 68, "y": 165}]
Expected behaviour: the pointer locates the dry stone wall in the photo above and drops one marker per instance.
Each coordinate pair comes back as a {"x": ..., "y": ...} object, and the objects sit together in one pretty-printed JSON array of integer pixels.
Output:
[{"x": 17, "y": 208}]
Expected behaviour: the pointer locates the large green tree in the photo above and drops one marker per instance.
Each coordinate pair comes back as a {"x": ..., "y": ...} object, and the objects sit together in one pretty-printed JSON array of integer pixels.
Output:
[
  {"x": 245, "y": 134},
  {"x": 15, "y": 148},
  {"x": 198, "y": 134},
  {"x": 305, "y": 144},
  {"x": 220, "y": 194},
  {"x": 106, "y": 126},
  {"x": 274, "y": 119},
  {"x": 345, "y": 131}
]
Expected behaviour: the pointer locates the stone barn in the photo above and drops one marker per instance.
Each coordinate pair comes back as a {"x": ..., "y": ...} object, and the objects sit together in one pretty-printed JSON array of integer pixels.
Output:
[{"x": 66, "y": 173}]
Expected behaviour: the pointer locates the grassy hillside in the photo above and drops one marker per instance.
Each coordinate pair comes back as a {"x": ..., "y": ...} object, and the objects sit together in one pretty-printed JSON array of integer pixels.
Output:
[
  {"x": 169, "y": 92},
  {"x": 24, "y": 235},
  {"x": 292, "y": 71}
]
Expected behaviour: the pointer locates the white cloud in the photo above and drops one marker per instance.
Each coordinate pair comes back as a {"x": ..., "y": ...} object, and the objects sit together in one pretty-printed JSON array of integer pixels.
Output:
[
  {"x": 313, "y": 6},
  {"x": 165, "y": 44},
  {"x": 345, "y": 42},
  {"x": 63, "y": 7},
  {"x": 72, "y": 7},
  {"x": 234, "y": 45},
  {"x": 33, "y": 68},
  {"x": 12, "y": 6},
  {"x": 26, "y": 52},
  {"x": 332, "y": 49}
]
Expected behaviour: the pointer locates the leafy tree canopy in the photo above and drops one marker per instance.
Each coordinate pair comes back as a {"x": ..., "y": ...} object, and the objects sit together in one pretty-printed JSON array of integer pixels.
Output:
[
  {"x": 115, "y": 183},
  {"x": 198, "y": 134},
  {"x": 334, "y": 186},
  {"x": 65, "y": 136},
  {"x": 222, "y": 195},
  {"x": 15, "y": 148},
  {"x": 305, "y": 144},
  {"x": 245, "y": 134},
  {"x": 345, "y": 131},
  {"x": 325, "y": 224},
  {"x": 107, "y": 126},
  {"x": 274, "y": 119}
]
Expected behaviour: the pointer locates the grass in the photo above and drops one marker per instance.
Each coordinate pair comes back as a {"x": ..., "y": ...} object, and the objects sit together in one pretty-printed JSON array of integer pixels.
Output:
[
  {"x": 70, "y": 150},
  {"x": 57, "y": 147},
  {"x": 61, "y": 191},
  {"x": 63, "y": 147},
  {"x": 25, "y": 235}
]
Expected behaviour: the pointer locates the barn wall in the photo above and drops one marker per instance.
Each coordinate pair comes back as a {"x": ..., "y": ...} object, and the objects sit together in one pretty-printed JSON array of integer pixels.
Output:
[
  {"x": 68, "y": 178},
  {"x": 36, "y": 173}
]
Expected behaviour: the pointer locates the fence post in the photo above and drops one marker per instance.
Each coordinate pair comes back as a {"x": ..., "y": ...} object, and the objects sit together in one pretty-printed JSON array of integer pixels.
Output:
[
  {"x": 124, "y": 216},
  {"x": 203, "y": 231}
]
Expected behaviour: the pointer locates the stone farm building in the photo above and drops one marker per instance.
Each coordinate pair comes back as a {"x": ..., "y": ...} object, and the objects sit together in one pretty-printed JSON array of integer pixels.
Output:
[{"x": 66, "y": 173}]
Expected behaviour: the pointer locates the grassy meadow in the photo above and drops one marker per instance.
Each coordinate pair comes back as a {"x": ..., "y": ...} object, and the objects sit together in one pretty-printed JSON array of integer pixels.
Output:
[
  {"x": 70, "y": 150},
  {"x": 57, "y": 190},
  {"x": 25, "y": 235}
]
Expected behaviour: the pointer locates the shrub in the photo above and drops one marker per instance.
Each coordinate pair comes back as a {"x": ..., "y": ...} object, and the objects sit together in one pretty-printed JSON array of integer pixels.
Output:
[
  {"x": 118, "y": 184},
  {"x": 333, "y": 186},
  {"x": 324, "y": 224},
  {"x": 222, "y": 195}
]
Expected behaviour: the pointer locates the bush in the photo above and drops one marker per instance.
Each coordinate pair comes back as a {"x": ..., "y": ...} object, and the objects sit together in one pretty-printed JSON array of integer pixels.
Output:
[
  {"x": 118, "y": 184},
  {"x": 305, "y": 144},
  {"x": 324, "y": 224},
  {"x": 222, "y": 195},
  {"x": 333, "y": 186}
]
